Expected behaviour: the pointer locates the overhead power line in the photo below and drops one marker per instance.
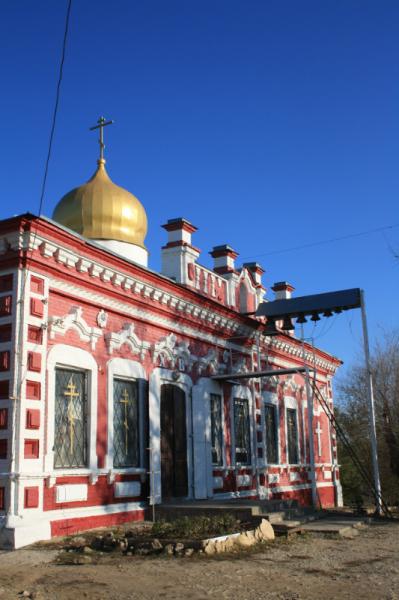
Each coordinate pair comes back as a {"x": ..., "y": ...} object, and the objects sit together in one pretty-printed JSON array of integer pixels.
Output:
[
  {"x": 322, "y": 242},
  {"x": 57, "y": 101}
]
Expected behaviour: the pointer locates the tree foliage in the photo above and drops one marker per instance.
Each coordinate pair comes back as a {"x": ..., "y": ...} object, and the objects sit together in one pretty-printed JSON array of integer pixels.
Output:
[{"x": 353, "y": 414}]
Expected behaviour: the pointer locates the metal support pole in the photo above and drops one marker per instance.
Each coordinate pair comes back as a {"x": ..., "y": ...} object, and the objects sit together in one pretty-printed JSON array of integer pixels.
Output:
[
  {"x": 370, "y": 394},
  {"x": 309, "y": 396}
]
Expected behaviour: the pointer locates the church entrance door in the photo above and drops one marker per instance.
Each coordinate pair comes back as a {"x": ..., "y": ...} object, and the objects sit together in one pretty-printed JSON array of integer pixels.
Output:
[{"x": 173, "y": 442}]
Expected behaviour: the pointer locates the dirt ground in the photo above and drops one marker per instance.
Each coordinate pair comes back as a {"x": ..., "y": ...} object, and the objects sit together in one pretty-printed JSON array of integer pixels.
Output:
[{"x": 307, "y": 567}]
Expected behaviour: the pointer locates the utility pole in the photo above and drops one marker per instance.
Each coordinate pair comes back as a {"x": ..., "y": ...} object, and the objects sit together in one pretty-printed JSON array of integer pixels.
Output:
[{"x": 370, "y": 394}]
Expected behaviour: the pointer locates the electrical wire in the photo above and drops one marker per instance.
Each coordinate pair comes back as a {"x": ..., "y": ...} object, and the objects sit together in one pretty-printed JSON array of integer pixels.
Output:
[
  {"x": 21, "y": 371},
  {"x": 322, "y": 242},
  {"x": 57, "y": 101}
]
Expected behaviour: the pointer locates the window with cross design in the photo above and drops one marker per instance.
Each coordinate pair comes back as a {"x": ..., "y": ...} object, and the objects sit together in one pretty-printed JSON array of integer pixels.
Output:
[
  {"x": 70, "y": 427},
  {"x": 242, "y": 432},
  {"x": 126, "y": 424}
]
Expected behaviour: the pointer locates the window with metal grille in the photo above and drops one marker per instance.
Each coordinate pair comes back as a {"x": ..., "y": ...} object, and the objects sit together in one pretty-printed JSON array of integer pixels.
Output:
[
  {"x": 126, "y": 424},
  {"x": 292, "y": 436},
  {"x": 271, "y": 434},
  {"x": 242, "y": 431},
  {"x": 216, "y": 429},
  {"x": 70, "y": 430}
]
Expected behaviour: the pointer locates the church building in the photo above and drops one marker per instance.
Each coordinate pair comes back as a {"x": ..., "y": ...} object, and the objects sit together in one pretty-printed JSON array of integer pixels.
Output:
[{"x": 121, "y": 387}]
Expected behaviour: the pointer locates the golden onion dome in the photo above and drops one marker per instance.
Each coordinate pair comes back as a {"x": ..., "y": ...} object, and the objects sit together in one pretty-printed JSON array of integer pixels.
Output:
[{"x": 101, "y": 210}]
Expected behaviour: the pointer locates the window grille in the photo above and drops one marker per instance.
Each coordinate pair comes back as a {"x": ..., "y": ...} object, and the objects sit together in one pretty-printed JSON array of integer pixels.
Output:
[
  {"x": 126, "y": 424},
  {"x": 242, "y": 431},
  {"x": 216, "y": 430},
  {"x": 271, "y": 434},
  {"x": 70, "y": 430},
  {"x": 292, "y": 435}
]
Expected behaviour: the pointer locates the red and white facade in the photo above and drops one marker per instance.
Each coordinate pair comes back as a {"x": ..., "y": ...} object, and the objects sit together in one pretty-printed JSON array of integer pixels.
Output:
[{"x": 66, "y": 301}]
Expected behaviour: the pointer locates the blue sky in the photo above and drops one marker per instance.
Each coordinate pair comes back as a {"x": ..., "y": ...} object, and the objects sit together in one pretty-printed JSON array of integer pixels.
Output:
[{"x": 268, "y": 124}]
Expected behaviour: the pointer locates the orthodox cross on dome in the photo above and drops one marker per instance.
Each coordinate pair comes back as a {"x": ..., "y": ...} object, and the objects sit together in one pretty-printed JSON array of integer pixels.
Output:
[{"x": 101, "y": 123}]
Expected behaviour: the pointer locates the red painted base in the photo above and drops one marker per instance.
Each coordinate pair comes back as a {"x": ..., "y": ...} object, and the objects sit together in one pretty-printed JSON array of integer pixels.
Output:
[{"x": 71, "y": 526}]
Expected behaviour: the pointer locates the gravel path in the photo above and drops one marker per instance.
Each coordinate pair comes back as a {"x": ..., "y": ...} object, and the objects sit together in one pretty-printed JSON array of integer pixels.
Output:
[{"x": 306, "y": 568}]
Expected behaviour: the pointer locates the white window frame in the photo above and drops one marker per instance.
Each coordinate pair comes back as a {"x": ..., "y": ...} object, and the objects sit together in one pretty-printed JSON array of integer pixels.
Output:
[
  {"x": 130, "y": 370},
  {"x": 70, "y": 357},
  {"x": 272, "y": 399},
  {"x": 241, "y": 393},
  {"x": 214, "y": 466},
  {"x": 291, "y": 403}
]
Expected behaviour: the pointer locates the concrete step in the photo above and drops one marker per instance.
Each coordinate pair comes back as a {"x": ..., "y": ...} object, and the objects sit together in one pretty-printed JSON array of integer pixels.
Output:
[{"x": 338, "y": 526}]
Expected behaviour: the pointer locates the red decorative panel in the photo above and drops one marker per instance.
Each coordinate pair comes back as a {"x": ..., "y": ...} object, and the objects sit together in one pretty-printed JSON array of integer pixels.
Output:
[
  {"x": 36, "y": 307},
  {"x": 4, "y": 360},
  {"x": 31, "y": 449},
  {"x": 3, "y": 449},
  {"x": 5, "y": 332},
  {"x": 4, "y": 389},
  {"x": 6, "y": 283},
  {"x": 35, "y": 334},
  {"x": 37, "y": 285},
  {"x": 32, "y": 418},
  {"x": 5, "y": 306},
  {"x": 31, "y": 497},
  {"x": 33, "y": 390},
  {"x": 3, "y": 418},
  {"x": 34, "y": 361}
]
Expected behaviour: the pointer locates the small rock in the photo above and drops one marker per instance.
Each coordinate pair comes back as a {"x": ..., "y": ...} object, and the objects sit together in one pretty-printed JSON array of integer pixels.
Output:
[
  {"x": 189, "y": 551},
  {"x": 264, "y": 531},
  {"x": 82, "y": 560},
  {"x": 245, "y": 540},
  {"x": 209, "y": 548},
  {"x": 349, "y": 534},
  {"x": 168, "y": 549},
  {"x": 78, "y": 541},
  {"x": 143, "y": 551},
  {"x": 87, "y": 550},
  {"x": 229, "y": 544},
  {"x": 156, "y": 544},
  {"x": 179, "y": 547}
]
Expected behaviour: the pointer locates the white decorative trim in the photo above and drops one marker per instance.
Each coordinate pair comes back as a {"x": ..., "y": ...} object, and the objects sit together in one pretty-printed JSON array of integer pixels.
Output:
[
  {"x": 71, "y": 357},
  {"x": 127, "y": 489},
  {"x": 244, "y": 480},
  {"x": 210, "y": 363},
  {"x": 75, "y": 492},
  {"x": 242, "y": 392},
  {"x": 202, "y": 436},
  {"x": 177, "y": 353},
  {"x": 271, "y": 398},
  {"x": 127, "y": 369},
  {"x": 74, "y": 320},
  {"x": 102, "y": 318},
  {"x": 217, "y": 483},
  {"x": 158, "y": 377},
  {"x": 126, "y": 335}
]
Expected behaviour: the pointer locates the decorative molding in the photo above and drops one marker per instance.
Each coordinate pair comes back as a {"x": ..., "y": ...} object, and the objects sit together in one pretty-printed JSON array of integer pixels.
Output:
[
  {"x": 74, "y": 320},
  {"x": 115, "y": 340},
  {"x": 177, "y": 353},
  {"x": 210, "y": 363},
  {"x": 102, "y": 318}
]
